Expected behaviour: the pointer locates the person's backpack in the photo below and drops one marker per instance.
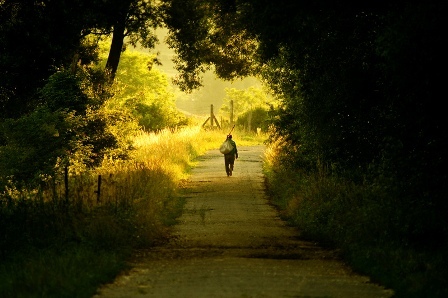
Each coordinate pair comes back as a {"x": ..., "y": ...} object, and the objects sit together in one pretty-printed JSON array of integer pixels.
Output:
[{"x": 226, "y": 147}]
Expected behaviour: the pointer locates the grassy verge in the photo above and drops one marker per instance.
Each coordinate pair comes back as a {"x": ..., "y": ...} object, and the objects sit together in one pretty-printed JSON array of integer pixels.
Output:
[
  {"x": 71, "y": 271},
  {"x": 52, "y": 245},
  {"x": 366, "y": 222}
]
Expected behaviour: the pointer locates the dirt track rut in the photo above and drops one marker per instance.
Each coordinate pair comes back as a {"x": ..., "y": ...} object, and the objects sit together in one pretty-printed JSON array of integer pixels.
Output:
[{"x": 231, "y": 243}]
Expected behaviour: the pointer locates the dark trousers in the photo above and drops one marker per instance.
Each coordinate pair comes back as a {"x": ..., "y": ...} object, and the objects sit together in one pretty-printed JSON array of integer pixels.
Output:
[{"x": 229, "y": 160}]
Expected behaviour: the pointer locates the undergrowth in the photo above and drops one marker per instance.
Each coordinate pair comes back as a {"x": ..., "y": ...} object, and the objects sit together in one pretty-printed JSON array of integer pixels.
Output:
[
  {"x": 65, "y": 240},
  {"x": 366, "y": 222}
]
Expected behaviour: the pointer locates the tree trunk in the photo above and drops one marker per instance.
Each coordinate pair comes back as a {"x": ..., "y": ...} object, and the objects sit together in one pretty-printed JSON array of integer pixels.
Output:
[{"x": 116, "y": 45}]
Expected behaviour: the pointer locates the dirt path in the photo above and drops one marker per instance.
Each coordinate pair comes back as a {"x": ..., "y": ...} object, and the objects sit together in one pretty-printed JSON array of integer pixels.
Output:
[{"x": 230, "y": 243}]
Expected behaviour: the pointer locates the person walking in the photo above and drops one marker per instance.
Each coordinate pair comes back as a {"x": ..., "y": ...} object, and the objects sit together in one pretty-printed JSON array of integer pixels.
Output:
[{"x": 229, "y": 158}]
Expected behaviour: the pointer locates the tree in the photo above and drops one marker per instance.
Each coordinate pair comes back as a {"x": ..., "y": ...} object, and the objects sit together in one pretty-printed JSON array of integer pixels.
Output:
[
  {"x": 250, "y": 105},
  {"x": 36, "y": 40},
  {"x": 146, "y": 93},
  {"x": 131, "y": 19},
  {"x": 208, "y": 35},
  {"x": 66, "y": 128}
]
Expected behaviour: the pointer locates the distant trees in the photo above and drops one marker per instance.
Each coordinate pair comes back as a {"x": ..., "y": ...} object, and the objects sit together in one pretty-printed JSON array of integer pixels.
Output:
[
  {"x": 252, "y": 107},
  {"x": 145, "y": 93}
]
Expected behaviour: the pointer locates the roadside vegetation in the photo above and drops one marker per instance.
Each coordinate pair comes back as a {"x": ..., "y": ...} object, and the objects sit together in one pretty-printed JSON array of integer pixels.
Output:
[
  {"x": 367, "y": 222},
  {"x": 92, "y": 171},
  {"x": 58, "y": 245}
]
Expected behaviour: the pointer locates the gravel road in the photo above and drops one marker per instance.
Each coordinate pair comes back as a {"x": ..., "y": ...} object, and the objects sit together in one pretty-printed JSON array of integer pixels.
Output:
[{"x": 231, "y": 243}]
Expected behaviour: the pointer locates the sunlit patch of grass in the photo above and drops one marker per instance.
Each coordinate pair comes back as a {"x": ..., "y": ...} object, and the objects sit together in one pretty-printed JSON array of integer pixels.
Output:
[{"x": 171, "y": 151}]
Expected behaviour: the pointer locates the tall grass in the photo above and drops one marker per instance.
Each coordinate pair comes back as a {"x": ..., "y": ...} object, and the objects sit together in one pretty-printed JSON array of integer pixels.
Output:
[
  {"x": 363, "y": 220},
  {"x": 65, "y": 244}
]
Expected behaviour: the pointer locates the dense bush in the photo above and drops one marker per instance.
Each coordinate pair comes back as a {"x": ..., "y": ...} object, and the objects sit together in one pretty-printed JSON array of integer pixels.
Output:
[{"x": 378, "y": 232}]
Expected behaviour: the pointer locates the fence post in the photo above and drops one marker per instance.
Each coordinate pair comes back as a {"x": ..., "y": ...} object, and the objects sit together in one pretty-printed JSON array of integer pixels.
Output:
[
  {"x": 66, "y": 183},
  {"x": 98, "y": 191},
  {"x": 231, "y": 112}
]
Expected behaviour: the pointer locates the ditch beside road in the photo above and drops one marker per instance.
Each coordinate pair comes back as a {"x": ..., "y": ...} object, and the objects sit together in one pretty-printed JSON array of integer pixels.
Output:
[{"x": 230, "y": 242}]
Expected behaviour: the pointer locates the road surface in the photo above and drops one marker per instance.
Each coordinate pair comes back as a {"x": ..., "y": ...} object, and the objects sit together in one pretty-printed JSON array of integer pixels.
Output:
[{"x": 231, "y": 243}]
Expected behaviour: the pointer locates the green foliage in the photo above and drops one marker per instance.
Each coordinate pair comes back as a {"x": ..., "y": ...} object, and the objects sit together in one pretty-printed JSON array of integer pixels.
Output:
[
  {"x": 246, "y": 100},
  {"x": 253, "y": 107},
  {"x": 145, "y": 93},
  {"x": 34, "y": 144},
  {"x": 63, "y": 92},
  {"x": 358, "y": 88},
  {"x": 33, "y": 48},
  {"x": 207, "y": 35},
  {"x": 88, "y": 126},
  {"x": 36, "y": 42},
  {"x": 378, "y": 232},
  {"x": 68, "y": 127}
]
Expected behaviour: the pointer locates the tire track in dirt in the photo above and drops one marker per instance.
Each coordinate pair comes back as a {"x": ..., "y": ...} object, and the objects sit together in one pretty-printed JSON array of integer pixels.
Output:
[{"x": 231, "y": 243}]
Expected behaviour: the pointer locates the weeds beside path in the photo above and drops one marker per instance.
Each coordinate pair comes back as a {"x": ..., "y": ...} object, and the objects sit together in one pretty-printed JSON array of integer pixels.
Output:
[{"x": 229, "y": 242}]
